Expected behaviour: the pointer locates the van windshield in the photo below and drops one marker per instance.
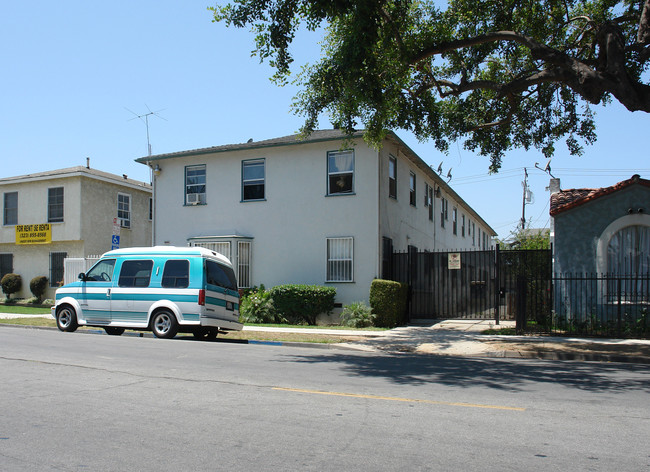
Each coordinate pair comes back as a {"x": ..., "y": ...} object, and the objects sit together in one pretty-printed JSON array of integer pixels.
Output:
[
  {"x": 220, "y": 275},
  {"x": 101, "y": 272}
]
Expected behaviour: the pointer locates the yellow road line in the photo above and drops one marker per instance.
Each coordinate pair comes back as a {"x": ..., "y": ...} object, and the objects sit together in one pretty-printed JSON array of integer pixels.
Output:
[{"x": 398, "y": 399}]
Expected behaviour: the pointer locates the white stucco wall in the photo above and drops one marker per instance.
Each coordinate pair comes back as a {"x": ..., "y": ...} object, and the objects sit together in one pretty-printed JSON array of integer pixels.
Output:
[{"x": 290, "y": 228}]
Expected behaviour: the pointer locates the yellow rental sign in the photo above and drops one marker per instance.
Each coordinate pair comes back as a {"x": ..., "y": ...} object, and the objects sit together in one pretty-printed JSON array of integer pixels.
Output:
[{"x": 34, "y": 234}]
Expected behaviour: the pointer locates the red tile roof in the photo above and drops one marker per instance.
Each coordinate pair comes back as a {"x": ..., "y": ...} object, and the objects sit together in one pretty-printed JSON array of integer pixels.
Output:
[{"x": 566, "y": 199}]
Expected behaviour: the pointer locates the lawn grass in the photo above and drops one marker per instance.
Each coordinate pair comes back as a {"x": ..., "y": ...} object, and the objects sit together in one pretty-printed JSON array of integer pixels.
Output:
[{"x": 24, "y": 310}]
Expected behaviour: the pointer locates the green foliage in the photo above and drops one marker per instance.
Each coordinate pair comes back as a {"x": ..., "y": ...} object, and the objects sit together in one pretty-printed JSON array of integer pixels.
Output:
[
  {"x": 257, "y": 307},
  {"x": 302, "y": 303},
  {"x": 357, "y": 315},
  {"x": 11, "y": 283},
  {"x": 528, "y": 239},
  {"x": 388, "y": 300},
  {"x": 498, "y": 74},
  {"x": 38, "y": 286}
]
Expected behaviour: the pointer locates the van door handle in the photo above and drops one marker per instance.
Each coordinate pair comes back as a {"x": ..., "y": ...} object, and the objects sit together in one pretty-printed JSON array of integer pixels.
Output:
[{"x": 108, "y": 292}]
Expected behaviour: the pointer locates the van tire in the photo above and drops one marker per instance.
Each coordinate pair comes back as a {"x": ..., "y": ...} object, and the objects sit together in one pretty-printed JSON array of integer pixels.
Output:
[
  {"x": 203, "y": 333},
  {"x": 114, "y": 330},
  {"x": 164, "y": 324},
  {"x": 66, "y": 319}
]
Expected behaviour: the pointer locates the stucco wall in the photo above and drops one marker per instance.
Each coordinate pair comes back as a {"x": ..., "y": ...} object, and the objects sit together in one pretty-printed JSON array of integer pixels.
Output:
[
  {"x": 577, "y": 232},
  {"x": 290, "y": 228}
]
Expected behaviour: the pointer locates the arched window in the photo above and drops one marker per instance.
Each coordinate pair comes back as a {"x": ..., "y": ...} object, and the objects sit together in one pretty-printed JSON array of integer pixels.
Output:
[{"x": 628, "y": 251}]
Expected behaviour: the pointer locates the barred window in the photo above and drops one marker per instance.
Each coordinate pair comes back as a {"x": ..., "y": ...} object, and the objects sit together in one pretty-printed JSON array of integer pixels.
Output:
[
  {"x": 56, "y": 268},
  {"x": 340, "y": 257},
  {"x": 6, "y": 264},
  {"x": 244, "y": 263}
]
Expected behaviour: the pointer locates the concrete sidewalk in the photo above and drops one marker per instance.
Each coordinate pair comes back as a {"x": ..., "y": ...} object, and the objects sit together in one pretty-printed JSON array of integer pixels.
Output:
[{"x": 463, "y": 338}]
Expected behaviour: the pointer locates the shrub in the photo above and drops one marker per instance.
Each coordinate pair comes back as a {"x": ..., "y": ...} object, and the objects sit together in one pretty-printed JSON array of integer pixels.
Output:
[
  {"x": 388, "y": 301},
  {"x": 301, "y": 304},
  {"x": 357, "y": 315},
  {"x": 38, "y": 286},
  {"x": 257, "y": 307},
  {"x": 11, "y": 283}
]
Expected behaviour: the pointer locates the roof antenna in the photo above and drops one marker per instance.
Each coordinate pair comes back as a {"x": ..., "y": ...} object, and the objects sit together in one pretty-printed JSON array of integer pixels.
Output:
[
  {"x": 546, "y": 169},
  {"x": 146, "y": 122}
]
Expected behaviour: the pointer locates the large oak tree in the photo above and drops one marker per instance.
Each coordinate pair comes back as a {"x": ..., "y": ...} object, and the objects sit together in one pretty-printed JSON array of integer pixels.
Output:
[{"x": 497, "y": 74}]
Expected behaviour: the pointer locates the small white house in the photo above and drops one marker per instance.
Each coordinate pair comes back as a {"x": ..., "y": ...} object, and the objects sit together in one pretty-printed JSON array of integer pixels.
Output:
[
  {"x": 49, "y": 216},
  {"x": 321, "y": 210}
]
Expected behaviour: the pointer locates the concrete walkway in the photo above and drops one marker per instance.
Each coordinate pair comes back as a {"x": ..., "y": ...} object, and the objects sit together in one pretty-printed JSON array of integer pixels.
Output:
[{"x": 464, "y": 338}]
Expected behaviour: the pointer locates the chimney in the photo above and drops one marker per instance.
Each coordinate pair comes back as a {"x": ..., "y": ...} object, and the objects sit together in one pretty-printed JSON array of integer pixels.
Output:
[
  {"x": 554, "y": 186},
  {"x": 88, "y": 163}
]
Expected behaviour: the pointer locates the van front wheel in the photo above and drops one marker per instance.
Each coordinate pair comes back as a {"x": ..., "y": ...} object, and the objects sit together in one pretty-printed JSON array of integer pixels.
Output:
[
  {"x": 66, "y": 319},
  {"x": 164, "y": 324}
]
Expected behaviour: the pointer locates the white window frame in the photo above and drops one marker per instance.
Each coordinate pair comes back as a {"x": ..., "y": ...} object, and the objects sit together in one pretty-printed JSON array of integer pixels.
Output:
[
  {"x": 331, "y": 173},
  {"x": 244, "y": 257},
  {"x": 256, "y": 181},
  {"x": 392, "y": 177},
  {"x": 192, "y": 197},
  {"x": 340, "y": 251},
  {"x": 6, "y": 210},
  {"x": 124, "y": 213},
  {"x": 412, "y": 189}
]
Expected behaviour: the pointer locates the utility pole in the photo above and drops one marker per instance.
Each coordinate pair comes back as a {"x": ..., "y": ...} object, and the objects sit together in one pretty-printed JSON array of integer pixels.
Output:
[{"x": 523, "y": 203}]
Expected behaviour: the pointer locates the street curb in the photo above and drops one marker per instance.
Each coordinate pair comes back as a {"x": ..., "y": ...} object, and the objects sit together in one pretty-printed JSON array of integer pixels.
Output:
[{"x": 502, "y": 354}]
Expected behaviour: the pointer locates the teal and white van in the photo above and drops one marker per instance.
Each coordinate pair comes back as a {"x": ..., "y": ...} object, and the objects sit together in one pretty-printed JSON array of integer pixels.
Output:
[{"x": 163, "y": 289}]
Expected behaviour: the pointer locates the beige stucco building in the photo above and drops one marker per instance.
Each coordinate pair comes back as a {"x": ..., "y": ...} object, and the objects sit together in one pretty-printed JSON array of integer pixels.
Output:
[
  {"x": 49, "y": 216},
  {"x": 317, "y": 211}
]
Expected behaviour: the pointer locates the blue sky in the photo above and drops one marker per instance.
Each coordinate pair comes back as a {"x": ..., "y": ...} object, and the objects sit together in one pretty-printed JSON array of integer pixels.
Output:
[{"x": 73, "y": 71}]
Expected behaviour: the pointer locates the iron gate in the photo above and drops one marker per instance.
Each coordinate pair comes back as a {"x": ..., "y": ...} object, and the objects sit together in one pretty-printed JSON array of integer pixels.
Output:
[{"x": 489, "y": 284}]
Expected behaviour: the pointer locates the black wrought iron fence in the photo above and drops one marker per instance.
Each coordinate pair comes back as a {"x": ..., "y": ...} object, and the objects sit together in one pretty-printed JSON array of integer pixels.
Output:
[{"x": 601, "y": 305}]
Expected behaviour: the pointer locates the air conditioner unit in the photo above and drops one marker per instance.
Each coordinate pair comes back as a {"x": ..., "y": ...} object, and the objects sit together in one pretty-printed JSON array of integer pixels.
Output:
[{"x": 193, "y": 198}]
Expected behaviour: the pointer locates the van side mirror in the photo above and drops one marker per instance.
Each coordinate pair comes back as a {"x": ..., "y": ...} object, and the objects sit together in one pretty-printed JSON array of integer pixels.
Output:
[{"x": 82, "y": 277}]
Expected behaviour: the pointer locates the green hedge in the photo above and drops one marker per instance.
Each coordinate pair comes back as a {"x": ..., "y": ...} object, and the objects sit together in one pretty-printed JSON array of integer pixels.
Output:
[
  {"x": 302, "y": 303},
  {"x": 11, "y": 283},
  {"x": 388, "y": 300},
  {"x": 38, "y": 286}
]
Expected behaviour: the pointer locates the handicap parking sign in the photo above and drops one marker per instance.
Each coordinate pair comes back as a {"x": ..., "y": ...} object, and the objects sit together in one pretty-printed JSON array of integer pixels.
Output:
[{"x": 115, "y": 242}]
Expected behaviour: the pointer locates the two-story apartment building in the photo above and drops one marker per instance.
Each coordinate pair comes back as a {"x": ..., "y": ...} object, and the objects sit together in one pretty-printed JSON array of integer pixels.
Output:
[
  {"x": 320, "y": 210},
  {"x": 49, "y": 216}
]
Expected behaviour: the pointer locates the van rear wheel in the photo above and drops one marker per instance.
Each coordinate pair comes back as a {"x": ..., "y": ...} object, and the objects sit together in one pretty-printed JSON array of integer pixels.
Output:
[
  {"x": 203, "y": 333},
  {"x": 164, "y": 324},
  {"x": 66, "y": 319}
]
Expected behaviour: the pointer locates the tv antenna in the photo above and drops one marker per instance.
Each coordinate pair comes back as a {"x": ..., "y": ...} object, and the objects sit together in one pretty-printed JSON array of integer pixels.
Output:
[{"x": 145, "y": 119}]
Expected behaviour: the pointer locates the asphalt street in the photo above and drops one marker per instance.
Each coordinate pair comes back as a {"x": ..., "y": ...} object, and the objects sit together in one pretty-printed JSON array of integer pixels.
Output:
[{"x": 72, "y": 402}]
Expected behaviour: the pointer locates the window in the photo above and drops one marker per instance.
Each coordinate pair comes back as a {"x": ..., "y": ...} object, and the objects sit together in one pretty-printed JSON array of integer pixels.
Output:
[
  {"x": 135, "y": 273},
  {"x": 339, "y": 259},
  {"x": 454, "y": 221},
  {"x": 462, "y": 226},
  {"x": 387, "y": 258},
  {"x": 124, "y": 209},
  {"x": 430, "y": 201},
  {"x": 244, "y": 263},
  {"x": 340, "y": 172},
  {"x": 176, "y": 274},
  {"x": 11, "y": 208},
  {"x": 150, "y": 209},
  {"x": 412, "y": 188},
  {"x": 6, "y": 264},
  {"x": 444, "y": 206},
  {"x": 627, "y": 251},
  {"x": 392, "y": 177},
  {"x": 55, "y": 205},
  {"x": 101, "y": 272},
  {"x": 220, "y": 276},
  {"x": 195, "y": 185},
  {"x": 473, "y": 234},
  {"x": 252, "y": 180},
  {"x": 56, "y": 268},
  {"x": 222, "y": 247}
]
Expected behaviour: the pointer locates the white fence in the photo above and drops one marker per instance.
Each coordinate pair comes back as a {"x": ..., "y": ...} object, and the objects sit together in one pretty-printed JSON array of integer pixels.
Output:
[{"x": 73, "y": 266}]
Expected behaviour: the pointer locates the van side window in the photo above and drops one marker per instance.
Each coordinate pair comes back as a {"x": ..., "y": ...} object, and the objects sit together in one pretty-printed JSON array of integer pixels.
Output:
[
  {"x": 221, "y": 276},
  {"x": 101, "y": 272},
  {"x": 176, "y": 274},
  {"x": 135, "y": 274}
]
